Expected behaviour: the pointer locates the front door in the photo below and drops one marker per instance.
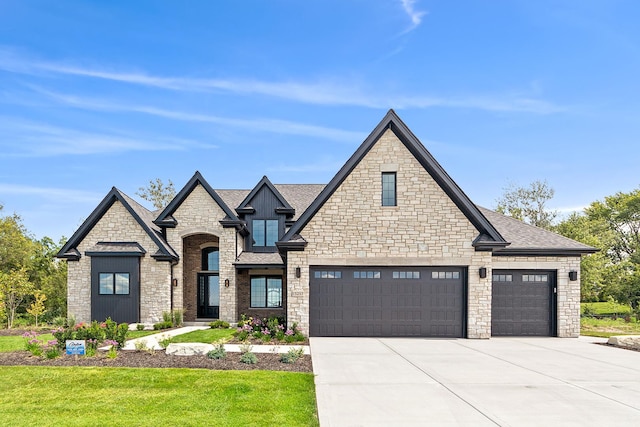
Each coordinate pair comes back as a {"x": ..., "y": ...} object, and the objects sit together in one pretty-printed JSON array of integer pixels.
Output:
[{"x": 208, "y": 296}]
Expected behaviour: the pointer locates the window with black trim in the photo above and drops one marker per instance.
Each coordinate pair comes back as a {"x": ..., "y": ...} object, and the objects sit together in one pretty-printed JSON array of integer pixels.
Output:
[
  {"x": 265, "y": 232},
  {"x": 210, "y": 259},
  {"x": 366, "y": 274},
  {"x": 327, "y": 275},
  {"x": 114, "y": 283},
  {"x": 502, "y": 278},
  {"x": 266, "y": 292},
  {"x": 535, "y": 278},
  {"x": 445, "y": 274},
  {"x": 406, "y": 274},
  {"x": 389, "y": 189}
]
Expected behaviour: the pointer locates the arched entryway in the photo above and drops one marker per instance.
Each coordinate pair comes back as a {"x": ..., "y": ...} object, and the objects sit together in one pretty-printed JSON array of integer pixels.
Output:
[{"x": 201, "y": 277}]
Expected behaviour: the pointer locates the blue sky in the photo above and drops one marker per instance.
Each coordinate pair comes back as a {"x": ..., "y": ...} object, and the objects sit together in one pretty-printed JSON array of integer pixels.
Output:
[{"x": 102, "y": 94}]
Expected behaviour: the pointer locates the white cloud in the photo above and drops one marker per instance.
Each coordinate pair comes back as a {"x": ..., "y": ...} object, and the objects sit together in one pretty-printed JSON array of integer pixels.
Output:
[
  {"x": 414, "y": 15},
  {"x": 324, "y": 92}
]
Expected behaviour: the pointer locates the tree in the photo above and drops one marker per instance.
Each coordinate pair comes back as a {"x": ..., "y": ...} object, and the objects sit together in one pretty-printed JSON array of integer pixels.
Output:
[
  {"x": 15, "y": 245},
  {"x": 528, "y": 204},
  {"x": 37, "y": 306},
  {"x": 158, "y": 193},
  {"x": 14, "y": 287}
]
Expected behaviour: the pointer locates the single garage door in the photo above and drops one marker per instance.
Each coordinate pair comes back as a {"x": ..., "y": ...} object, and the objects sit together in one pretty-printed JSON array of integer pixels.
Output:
[
  {"x": 523, "y": 303},
  {"x": 385, "y": 301}
]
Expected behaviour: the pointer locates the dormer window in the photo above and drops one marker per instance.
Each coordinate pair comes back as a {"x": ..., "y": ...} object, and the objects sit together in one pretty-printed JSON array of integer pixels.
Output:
[{"x": 265, "y": 232}]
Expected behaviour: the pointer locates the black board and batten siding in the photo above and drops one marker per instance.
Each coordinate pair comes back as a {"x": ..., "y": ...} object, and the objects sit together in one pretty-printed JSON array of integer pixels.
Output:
[{"x": 121, "y": 308}]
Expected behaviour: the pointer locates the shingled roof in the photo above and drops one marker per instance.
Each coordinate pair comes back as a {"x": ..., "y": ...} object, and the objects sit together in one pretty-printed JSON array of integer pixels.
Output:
[{"x": 526, "y": 239}]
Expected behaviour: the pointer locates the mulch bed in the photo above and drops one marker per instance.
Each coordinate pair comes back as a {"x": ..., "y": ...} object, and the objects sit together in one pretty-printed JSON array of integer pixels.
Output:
[{"x": 159, "y": 359}]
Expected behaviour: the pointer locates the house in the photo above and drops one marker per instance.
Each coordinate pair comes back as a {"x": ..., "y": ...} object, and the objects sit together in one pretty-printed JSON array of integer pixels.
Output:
[{"x": 390, "y": 247}]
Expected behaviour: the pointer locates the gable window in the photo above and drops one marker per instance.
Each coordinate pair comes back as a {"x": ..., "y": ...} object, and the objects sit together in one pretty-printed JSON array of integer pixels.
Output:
[
  {"x": 265, "y": 232},
  {"x": 114, "y": 283},
  {"x": 389, "y": 189},
  {"x": 266, "y": 292}
]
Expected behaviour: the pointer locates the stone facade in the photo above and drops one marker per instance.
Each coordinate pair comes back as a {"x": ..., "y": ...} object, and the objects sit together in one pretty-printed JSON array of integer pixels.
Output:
[
  {"x": 117, "y": 225},
  {"x": 425, "y": 228},
  {"x": 568, "y": 294},
  {"x": 200, "y": 214}
]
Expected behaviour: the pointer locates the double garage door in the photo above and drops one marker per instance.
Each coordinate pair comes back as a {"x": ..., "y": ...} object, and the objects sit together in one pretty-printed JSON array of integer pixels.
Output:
[
  {"x": 384, "y": 301},
  {"x": 425, "y": 302}
]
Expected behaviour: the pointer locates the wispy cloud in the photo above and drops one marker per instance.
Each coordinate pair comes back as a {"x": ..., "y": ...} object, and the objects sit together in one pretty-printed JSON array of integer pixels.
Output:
[
  {"x": 50, "y": 193},
  {"x": 324, "y": 92},
  {"x": 32, "y": 139},
  {"x": 414, "y": 15},
  {"x": 258, "y": 125}
]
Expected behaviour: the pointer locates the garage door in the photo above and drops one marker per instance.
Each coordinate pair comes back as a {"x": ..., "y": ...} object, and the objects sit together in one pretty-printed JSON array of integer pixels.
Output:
[
  {"x": 383, "y": 302},
  {"x": 523, "y": 303}
]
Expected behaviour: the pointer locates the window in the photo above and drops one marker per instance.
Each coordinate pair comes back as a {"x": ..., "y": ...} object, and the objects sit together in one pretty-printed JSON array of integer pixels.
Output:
[
  {"x": 534, "y": 277},
  {"x": 406, "y": 274},
  {"x": 210, "y": 259},
  {"x": 445, "y": 274},
  {"x": 327, "y": 275},
  {"x": 265, "y": 232},
  {"x": 366, "y": 274},
  {"x": 388, "y": 189},
  {"x": 502, "y": 278},
  {"x": 114, "y": 283},
  {"x": 266, "y": 292}
]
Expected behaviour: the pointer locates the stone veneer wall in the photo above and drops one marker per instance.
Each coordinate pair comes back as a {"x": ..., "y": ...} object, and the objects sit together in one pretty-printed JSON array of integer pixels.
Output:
[
  {"x": 198, "y": 214},
  {"x": 568, "y": 296},
  {"x": 426, "y": 228},
  {"x": 117, "y": 225},
  {"x": 243, "y": 282}
]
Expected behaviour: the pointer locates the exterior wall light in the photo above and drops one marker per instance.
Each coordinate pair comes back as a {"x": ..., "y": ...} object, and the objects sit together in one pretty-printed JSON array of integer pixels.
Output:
[
  {"x": 297, "y": 272},
  {"x": 226, "y": 283},
  {"x": 175, "y": 282},
  {"x": 573, "y": 275},
  {"x": 482, "y": 272}
]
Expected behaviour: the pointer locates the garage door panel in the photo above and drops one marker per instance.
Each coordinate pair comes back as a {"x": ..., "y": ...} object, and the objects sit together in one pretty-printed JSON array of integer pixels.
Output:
[
  {"x": 524, "y": 305},
  {"x": 383, "y": 304}
]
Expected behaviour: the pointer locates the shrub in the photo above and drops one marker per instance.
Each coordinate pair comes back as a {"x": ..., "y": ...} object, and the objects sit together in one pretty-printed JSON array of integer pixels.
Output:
[
  {"x": 140, "y": 327},
  {"x": 93, "y": 333},
  {"x": 113, "y": 348},
  {"x": 218, "y": 352},
  {"x": 165, "y": 341},
  {"x": 162, "y": 325},
  {"x": 51, "y": 351},
  {"x": 173, "y": 317},
  {"x": 249, "y": 358},
  {"x": 32, "y": 343},
  {"x": 292, "y": 355},
  {"x": 219, "y": 324}
]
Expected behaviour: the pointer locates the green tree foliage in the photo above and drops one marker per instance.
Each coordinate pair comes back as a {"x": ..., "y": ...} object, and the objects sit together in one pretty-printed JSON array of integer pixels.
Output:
[
  {"x": 14, "y": 287},
  {"x": 528, "y": 204},
  {"x": 158, "y": 193},
  {"x": 37, "y": 306},
  {"x": 613, "y": 226}
]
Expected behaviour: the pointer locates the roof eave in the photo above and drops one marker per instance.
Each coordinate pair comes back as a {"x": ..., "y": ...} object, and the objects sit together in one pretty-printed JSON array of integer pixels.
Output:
[{"x": 545, "y": 251}]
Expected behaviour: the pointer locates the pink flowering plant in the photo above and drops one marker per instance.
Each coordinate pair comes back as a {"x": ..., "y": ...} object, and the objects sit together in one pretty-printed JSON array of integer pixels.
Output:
[
  {"x": 93, "y": 333},
  {"x": 32, "y": 343},
  {"x": 267, "y": 329}
]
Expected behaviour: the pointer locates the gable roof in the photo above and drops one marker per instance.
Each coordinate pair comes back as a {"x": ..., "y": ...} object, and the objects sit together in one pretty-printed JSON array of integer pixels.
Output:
[
  {"x": 142, "y": 215},
  {"x": 489, "y": 237},
  {"x": 527, "y": 239},
  {"x": 165, "y": 219},
  {"x": 284, "y": 207}
]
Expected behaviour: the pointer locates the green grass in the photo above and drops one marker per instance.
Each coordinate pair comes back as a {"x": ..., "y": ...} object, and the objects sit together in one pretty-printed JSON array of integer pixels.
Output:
[
  {"x": 205, "y": 335},
  {"x": 605, "y": 308},
  {"x": 608, "y": 327},
  {"x": 16, "y": 342},
  {"x": 139, "y": 334},
  {"x": 80, "y": 396}
]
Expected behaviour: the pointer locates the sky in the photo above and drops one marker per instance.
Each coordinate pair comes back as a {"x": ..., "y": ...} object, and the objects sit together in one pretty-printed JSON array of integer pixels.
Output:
[{"x": 96, "y": 94}]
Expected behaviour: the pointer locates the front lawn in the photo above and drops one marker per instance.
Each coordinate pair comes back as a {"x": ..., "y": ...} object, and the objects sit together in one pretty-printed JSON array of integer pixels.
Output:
[
  {"x": 50, "y": 396},
  {"x": 139, "y": 334},
  {"x": 604, "y": 308},
  {"x": 16, "y": 342},
  {"x": 207, "y": 336},
  {"x": 607, "y": 327}
]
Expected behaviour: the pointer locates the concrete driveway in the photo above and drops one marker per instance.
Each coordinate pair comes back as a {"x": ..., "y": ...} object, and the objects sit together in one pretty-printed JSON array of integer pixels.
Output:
[{"x": 503, "y": 381}]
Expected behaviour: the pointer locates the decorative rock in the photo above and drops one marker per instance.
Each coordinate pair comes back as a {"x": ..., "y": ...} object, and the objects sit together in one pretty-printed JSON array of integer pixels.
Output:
[
  {"x": 188, "y": 349},
  {"x": 632, "y": 341}
]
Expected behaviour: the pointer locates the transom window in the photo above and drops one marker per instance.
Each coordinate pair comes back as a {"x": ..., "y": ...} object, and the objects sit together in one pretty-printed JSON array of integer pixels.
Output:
[
  {"x": 210, "y": 259},
  {"x": 445, "y": 274},
  {"x": 114, "y": 284},
  {"x": 366, "y": 274},
  {"x": 389, "y": 189},
  {"x": 535, "y": 278},
  {"x": 266, "y": 292},
  {"x": 502, "y": 278},
  {"x": 265, "y": 232},
  {"x": 327, "y": 275},
  {"x": 406, "y": 274}
]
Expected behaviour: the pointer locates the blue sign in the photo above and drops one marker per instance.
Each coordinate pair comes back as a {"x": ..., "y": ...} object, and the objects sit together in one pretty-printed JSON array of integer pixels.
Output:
[{"x": 76, "y": 347}]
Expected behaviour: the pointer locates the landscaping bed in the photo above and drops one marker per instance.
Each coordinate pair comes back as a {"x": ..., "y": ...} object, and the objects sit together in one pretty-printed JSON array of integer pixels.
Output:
[{"x": 159, "y": 359}]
